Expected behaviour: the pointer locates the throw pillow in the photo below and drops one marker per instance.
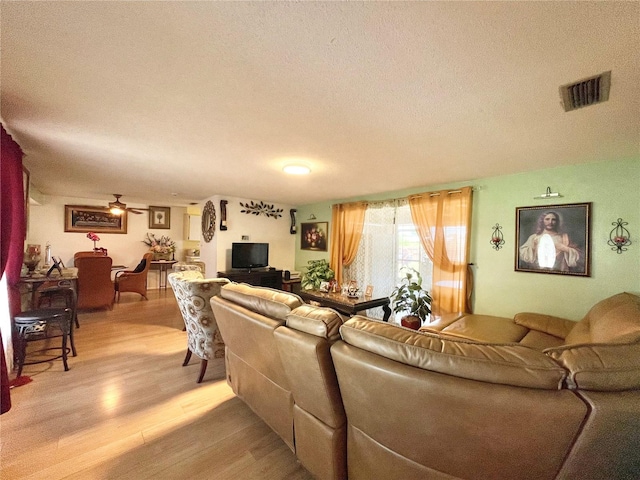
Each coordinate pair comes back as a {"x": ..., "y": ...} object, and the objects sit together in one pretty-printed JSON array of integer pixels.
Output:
[{"x": 140, "y": 267}]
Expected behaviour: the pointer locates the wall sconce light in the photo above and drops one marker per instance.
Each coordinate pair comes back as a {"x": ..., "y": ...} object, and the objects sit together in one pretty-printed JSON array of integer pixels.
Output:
[
  {"x": 223, "y": 214},
  {"x": 548, "y": 194},
  {"x": 619, "y": 237},
  {"x": 497, "y": 240},
  {"x": 293, "y": 228}
]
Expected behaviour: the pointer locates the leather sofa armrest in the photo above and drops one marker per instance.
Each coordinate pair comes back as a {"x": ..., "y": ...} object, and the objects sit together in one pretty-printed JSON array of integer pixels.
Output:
[{"x": 556, "y": 326}]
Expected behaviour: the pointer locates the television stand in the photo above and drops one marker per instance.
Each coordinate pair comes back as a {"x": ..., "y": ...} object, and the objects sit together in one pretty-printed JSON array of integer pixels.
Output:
[{"x": 258, "y": 277}]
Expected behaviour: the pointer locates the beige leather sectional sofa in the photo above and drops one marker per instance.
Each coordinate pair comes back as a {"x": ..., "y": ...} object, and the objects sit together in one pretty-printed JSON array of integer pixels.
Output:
[{"x": 534, "y": 397}]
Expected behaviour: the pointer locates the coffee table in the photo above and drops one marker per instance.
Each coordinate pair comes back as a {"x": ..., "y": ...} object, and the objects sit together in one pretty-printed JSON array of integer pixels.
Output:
[{"x": 346, "y": 305}]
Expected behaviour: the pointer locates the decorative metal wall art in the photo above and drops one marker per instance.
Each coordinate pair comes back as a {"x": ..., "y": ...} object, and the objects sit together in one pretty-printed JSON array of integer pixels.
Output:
[
  {"x": 261, "y": 209},
  {"x": 223, "y": 214},
  {"x": 208, "y": 221},
  {"x": 619, "y": 237},
  {"x": 293, "y": 228},
  {"x": 497, "y": 239}
]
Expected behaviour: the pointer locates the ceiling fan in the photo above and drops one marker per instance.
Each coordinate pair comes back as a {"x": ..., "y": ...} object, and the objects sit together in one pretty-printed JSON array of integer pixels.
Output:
[{"x": 118, "y": 208}]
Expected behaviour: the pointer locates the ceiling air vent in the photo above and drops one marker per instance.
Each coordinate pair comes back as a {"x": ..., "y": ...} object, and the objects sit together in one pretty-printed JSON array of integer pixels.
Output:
[{"x": 586, "y": 92}]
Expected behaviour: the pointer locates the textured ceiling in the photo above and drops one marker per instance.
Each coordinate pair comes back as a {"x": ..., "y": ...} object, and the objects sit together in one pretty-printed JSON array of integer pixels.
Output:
[{"x": 150, "y": 99}]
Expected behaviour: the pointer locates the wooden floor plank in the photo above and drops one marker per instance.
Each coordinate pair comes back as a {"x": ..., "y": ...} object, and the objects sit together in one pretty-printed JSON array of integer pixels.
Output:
[{"x": 128, "y": 409}]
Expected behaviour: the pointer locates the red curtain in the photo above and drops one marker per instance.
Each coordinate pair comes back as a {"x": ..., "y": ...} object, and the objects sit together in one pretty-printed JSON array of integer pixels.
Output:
[{"x": 13, "y": 221}]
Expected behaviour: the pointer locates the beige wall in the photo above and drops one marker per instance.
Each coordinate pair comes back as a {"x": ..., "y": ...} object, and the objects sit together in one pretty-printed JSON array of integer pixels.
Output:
[
  {"x": 258, "y": 228},
  {"x": 46, "y": 224}
]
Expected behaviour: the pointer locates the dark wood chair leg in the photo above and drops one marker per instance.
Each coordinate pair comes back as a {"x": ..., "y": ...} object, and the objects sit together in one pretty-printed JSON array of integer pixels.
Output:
[
  {"x": 71, "y": 340},
  {"x": 21, "y": 353},
  {"x": 187, "y": 358},
  {"x": 203, "y": 368},
  {"x": 64, "y": 349}
]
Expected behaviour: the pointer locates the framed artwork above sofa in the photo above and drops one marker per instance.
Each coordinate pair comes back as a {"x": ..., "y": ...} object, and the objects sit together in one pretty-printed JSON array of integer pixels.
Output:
[{"x": 554, "y": 239}]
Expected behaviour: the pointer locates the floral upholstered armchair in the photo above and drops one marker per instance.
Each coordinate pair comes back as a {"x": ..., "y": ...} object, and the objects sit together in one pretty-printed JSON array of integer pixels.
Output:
[{"x": 193, "y": 293}]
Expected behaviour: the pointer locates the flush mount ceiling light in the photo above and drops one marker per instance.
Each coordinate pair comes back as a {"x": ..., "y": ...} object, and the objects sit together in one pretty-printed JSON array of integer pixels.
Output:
[{"x": 296, "y": 169}]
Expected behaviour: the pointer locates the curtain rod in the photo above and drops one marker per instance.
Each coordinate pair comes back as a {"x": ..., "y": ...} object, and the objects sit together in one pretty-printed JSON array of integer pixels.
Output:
[{"x": 431, "y": 194}]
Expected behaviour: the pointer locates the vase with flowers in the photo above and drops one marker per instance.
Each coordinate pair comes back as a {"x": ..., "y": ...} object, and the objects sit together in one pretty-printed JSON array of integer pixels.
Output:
[
  {"x": 162, "y": 248},
  {"x": 95, "y": 238}
]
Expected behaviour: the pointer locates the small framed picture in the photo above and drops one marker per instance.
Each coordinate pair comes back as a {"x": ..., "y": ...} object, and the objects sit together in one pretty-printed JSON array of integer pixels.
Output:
[
  {"x": 325, "y": 286},
  {"x": 368, "y": 292},
  {"x": 554, "y": 239},
  {"x": 160, "y": 217},
  {"x": 314, "y": 236}
]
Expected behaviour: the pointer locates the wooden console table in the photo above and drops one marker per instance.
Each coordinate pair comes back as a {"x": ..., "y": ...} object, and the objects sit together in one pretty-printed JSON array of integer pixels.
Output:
[
  {"x": 258, "y": 277},
  {"x": 346, "y": 305},
  {"x": 162, "y": 266}
]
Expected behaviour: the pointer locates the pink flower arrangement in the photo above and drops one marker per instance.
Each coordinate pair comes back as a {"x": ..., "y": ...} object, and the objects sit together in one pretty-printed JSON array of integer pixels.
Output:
[
  {"x": 164, "y": 244},
  {"x": 95, "y": 238}
]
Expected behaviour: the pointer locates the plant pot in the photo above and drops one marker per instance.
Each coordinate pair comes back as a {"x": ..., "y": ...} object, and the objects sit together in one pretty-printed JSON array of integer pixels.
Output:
[
  {"x": 411, "y": 321},
  {"x": 162, "y": 256}
]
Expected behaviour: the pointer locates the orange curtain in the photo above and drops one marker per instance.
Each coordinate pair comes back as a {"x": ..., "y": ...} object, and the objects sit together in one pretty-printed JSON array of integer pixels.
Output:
[
  {"x": 347, "y": 222},
  {"x": 443, "y": 222}
]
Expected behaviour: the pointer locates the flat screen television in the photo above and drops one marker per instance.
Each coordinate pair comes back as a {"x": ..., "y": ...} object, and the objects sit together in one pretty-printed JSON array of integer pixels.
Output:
[{"x": 249, "y": 255}]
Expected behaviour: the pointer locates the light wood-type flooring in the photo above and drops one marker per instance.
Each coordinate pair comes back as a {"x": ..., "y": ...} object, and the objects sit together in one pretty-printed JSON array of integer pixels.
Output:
[{"x": 127, "y": 409}]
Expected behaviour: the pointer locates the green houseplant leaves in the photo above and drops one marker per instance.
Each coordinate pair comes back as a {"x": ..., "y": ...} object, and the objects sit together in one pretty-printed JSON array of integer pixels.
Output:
[
  {"x": 409, "y": 297},
  {"x": 318, "y": 271}
]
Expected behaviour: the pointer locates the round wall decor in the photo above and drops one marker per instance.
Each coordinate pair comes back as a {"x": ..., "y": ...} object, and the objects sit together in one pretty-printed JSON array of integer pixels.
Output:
[{"x": 208, "y": 221}]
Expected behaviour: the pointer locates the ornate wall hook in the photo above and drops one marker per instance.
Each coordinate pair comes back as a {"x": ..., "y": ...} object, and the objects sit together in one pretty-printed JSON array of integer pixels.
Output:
[
  {"x": 619, "y": 237},
  {"x": 497, "y": 239},
  {"x": 293, "y": 229},
  {"x": 223, "y": 214}
]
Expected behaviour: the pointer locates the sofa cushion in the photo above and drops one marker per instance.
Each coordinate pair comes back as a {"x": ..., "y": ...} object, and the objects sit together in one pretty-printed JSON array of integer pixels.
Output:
[
  {"x": 318, "y": 321},
  {"x": 556, "y": 326},
  {"x": 265, "y": 301},
  {"x": 613, "y": 320},
  {"x": 140, "y": 267},
  {"x": 508, "y": 364},
  {"x": 540, "y": 340},
  {"x": 604, "y": 367},
  {"x": 486, "y": 328}
]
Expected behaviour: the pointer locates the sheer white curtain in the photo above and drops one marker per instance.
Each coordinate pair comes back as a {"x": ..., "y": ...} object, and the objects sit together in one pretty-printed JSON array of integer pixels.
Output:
[{"x": 389, "y": 242}]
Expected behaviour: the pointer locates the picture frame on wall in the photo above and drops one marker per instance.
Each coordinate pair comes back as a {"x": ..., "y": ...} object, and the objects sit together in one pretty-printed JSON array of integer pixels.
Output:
[
  {"x": 314, "y": 236},
  {"x": 159, "y": 217},
  {"x": 554, "y": 239},
  {"x": 84, "y": 219}
]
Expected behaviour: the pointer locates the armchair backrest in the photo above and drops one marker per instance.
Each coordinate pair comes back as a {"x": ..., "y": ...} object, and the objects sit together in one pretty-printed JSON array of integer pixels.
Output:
[
  {"x": 95, "y": 288},
  {"x": 193, "y": 293}
]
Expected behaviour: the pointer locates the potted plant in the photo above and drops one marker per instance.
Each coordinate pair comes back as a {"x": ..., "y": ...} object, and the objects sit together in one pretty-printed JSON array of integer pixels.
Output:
[
  {"x": 317, "y": 272},
  {"x": 409, "y": 297}
]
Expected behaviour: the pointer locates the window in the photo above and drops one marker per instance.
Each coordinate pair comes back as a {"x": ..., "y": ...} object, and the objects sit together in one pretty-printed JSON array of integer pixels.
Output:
[{"x": 389, "y": 242}]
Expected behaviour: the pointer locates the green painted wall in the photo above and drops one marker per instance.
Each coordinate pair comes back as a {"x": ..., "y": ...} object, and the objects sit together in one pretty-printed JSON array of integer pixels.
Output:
[{"x": 613, "y": 187}]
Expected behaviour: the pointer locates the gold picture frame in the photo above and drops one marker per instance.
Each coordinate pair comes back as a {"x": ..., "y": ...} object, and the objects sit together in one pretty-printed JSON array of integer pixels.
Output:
[
  {"x": 159, "y": 217},
  {"x": 314, "y": 236},
  {"x": 554, "y": 239},
  {"x": 84, "y": 219}
]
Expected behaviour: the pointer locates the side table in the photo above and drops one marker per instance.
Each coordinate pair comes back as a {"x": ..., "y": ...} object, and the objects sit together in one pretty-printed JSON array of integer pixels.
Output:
[{"x": 162, "y": 266}]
